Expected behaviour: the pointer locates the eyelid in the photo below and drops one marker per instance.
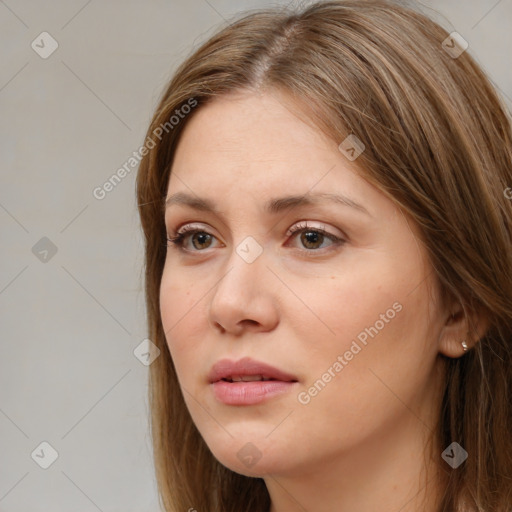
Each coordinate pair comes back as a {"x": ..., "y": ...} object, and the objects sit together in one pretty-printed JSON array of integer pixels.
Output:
[
  {"x": 188, "y": 226},
  {"x": 304, "y": 224},
  {"x": 191, "y": 227},
  {"x": 300, "y": 224}
]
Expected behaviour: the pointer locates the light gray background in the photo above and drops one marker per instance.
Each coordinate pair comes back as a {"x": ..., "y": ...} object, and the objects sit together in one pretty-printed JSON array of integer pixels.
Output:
[{"x": 70, "y": 324}]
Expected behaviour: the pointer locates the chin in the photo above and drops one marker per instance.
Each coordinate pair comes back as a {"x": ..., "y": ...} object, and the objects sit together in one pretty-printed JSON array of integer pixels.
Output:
[{"x": 253, "y": 456}]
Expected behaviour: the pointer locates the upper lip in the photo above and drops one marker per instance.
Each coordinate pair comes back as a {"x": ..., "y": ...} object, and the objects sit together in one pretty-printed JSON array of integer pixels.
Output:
[{"x": 225, "y": 369}]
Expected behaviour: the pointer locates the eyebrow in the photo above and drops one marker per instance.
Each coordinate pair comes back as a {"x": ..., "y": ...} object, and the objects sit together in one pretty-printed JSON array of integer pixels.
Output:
[{"x": 272, "y": 206}]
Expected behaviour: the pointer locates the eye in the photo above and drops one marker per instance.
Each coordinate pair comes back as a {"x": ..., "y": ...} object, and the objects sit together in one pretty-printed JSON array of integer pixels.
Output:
[
  {"x": 312, "y": 237},
  {"x": 203, "y": 239}
]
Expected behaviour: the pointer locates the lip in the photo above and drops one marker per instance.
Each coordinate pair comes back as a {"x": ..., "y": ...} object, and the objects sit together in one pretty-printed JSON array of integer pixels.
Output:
[
  {"x": 248, "y": 393},
  {"x": 225, "y": 368}
]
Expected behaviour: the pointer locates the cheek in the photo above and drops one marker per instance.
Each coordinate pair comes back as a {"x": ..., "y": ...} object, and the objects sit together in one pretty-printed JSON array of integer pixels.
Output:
[
  {"x": 335, "y": 310},
  {"x": 382, "y": 357},
  {"x": 376, "y": 318},
  {"x": 181, "y": 307}
]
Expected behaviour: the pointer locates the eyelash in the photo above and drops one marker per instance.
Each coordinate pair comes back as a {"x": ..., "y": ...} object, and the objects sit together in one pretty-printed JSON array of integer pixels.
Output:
[{"x": 178, "y": 239}]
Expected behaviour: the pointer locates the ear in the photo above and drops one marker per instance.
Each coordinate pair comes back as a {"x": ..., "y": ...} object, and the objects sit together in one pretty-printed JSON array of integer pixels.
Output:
[{"x": 461, "y": 324}]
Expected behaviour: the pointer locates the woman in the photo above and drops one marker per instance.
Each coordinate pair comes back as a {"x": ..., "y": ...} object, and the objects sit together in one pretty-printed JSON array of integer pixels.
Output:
[{"x": 328, "y": 269}]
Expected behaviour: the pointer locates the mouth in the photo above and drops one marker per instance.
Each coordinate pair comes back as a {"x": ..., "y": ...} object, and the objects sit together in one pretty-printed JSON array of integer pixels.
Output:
[
  {"x": 248, "y": 382},
  {"x": 247, "y": 370},
  {"x": 250, "y": 378}
]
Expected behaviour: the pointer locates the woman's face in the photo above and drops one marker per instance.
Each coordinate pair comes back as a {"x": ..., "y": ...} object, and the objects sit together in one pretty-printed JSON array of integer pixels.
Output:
[{"x": 346, "y": 306}]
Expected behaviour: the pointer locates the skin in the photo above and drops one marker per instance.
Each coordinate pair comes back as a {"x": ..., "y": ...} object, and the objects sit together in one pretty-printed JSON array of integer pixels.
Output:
[{"x": 360, "y": 443}]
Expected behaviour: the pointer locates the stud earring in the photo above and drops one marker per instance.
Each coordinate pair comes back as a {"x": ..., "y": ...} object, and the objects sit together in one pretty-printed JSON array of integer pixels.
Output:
[{"x": 465, "y": 346}]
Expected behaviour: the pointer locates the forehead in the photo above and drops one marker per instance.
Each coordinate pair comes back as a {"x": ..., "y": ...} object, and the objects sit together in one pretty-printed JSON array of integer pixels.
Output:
[
  {"x": 257, "y": 128},
  {"x": 254, "y": 136},
  {"x": 252, "y": 148}
]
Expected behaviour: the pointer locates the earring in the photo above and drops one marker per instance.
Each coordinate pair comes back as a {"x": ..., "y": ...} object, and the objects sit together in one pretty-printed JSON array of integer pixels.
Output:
[{"x": 465, "y": 346}]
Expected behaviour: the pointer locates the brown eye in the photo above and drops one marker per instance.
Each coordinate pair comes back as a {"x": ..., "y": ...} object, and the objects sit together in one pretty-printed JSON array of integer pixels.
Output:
[
  {"x": 312, "y": 238},
  {"x": 200, "y": 239}
]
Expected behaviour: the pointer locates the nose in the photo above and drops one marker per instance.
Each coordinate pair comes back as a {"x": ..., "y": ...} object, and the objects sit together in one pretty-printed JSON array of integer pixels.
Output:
[{"x": 245, "y": 297}]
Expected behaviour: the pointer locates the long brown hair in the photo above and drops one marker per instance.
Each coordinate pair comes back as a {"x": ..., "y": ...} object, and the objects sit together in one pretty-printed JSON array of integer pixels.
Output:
[{"x": 438, "y": 143}]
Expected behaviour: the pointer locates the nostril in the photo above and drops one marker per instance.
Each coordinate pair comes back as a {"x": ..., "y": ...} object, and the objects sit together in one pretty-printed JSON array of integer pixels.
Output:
[
  {"x": 248, "y": 324},
  {"x": 222, "y": 330}
]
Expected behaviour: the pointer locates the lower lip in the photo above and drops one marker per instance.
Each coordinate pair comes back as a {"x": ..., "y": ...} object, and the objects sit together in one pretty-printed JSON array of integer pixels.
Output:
[{"x": 249, "y": 393}]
